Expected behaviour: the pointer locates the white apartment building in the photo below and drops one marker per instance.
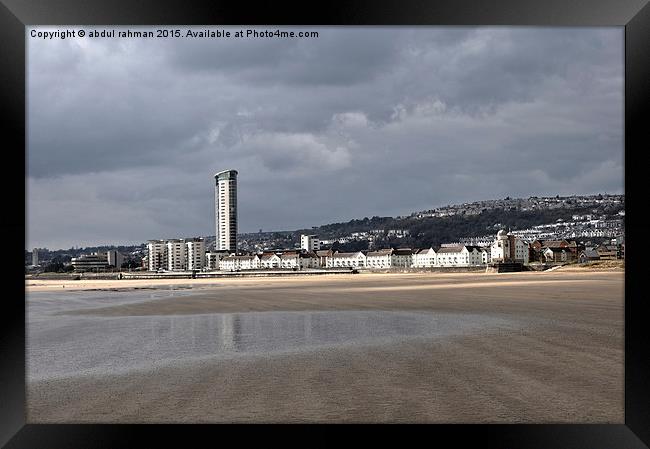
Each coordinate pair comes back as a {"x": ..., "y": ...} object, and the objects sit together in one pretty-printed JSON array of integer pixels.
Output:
[
  {"x": 270, "y": 260},
  {"x": 459, "y": 256},
  {"x": 157, "y": 254},
  {"x": 424, "y": 258},
  {"x": 35, "y": 256},
  {"x": 290, "y": 260},
  {"x": 390, "y": 258},
  {"x": 509, "y": 248},
  {"x": 225, "y": 199},
  {"x": 475, "y": 255},
  {"x": 351, "y": 260},
  {"x": 176, "y": 255},
  {"x": 234, "y": 263},
  {"x": 379, "y": 259},
  {"x": 309, "y": 243},
  {"x": 299, "y": 260},
  {"x": 195, "y": 253}
]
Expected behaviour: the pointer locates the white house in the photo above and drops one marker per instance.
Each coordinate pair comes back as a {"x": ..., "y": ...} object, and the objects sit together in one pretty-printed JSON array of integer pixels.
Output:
[
  {"x": 299, "y": 260},
  {"x": 390, "y": 258},
  {"x": 270, "y": 260},
  {"x": 234, "y": 263},
  {"x": 424, "y": 258},
  {"x": 338, "y": 260},
  {"x": 379, "y": 259},
  {"x": 459, "y": 256},
  {"x": 290, "y": 260}
]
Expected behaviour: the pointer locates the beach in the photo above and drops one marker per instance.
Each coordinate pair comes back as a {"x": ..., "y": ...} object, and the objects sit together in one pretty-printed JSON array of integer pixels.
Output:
[{"x": 541, "y": 347}]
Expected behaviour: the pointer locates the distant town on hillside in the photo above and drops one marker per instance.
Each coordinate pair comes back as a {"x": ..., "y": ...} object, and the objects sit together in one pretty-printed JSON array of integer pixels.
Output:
[{"x": 590, "y": 219}]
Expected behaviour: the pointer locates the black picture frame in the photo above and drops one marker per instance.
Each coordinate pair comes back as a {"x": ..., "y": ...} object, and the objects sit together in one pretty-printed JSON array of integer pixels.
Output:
[{"x": 634, "y": 15}]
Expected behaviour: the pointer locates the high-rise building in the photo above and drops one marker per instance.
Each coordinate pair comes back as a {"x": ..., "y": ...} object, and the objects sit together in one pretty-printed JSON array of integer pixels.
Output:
[
  {"x": 195, "y": 253},
  {"x": 35, "y": 256},
  {"x": 309, "y": 242},
  {"x": 176, "y": 255},
  {"x": 157, "y": 254},
  {"x": 225, "y": 199}
]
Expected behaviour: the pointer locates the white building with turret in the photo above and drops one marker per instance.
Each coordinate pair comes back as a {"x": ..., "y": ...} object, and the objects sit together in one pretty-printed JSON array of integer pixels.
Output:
[{"x": 509, "y": 248}]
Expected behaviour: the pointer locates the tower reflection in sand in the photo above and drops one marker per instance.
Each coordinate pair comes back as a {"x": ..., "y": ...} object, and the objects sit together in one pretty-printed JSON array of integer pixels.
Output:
[{"x": 72, "y": 345}]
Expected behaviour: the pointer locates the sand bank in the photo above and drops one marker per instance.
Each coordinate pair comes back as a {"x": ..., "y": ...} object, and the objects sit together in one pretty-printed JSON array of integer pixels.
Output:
[{"x": 566, "y": 367}]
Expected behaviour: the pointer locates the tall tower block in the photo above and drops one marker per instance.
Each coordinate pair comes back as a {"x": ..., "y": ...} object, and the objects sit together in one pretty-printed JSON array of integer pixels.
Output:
[{"x": 225, "y": 202}]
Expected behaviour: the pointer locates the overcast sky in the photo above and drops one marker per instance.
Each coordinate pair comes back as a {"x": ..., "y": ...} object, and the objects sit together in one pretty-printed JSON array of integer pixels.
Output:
[{"x": 125, "y": 135}]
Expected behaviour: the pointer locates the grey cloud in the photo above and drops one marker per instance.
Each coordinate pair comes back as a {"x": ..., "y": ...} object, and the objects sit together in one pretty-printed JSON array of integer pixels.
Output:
[{"x": 359, "y": 122}]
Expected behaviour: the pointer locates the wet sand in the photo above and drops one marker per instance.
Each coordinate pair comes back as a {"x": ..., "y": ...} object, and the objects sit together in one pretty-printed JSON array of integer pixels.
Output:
[{"x": 564, "y": 364}]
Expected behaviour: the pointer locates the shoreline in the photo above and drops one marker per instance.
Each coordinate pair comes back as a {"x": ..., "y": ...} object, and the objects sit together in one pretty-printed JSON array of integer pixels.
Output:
[{"x": 52, "y": 285}]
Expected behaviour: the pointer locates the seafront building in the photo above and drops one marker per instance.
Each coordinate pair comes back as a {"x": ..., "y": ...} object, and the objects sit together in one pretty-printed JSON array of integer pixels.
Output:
[
  {"x": 97, "y": 261},
  {"x": 509, "y": 248},
  {"x": 506, "y": 248},
  {"x": 351, "y": 260},
  {"x": 225, "y": 209},
  {"x": 176, "y": 254},
  {"x": 390, "y": 258},
  {"x": 35, "y": 257},
  {"x": 424, "y": 258},
  {"x": 157, "y": 255},
  {"x": 195, "y": 250},
  {"x": 461, "y": 256}
]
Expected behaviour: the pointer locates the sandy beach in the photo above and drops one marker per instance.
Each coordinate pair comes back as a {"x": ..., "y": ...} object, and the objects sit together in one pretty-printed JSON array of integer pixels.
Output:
[{"x": 558, "y": 357}]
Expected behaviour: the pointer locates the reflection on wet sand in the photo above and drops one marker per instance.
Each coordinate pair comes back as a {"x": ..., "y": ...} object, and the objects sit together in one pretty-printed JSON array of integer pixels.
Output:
[{"x": 68, "y": 345}]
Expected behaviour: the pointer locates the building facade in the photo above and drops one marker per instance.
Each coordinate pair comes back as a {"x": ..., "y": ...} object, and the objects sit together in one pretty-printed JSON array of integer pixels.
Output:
[
  {"x": 270, "y": 260},
  {"x": 157, "y": 255},
  {"x": 349, "y": 260},
  {"x": 176, "y": 255},
  {"x": 90, "y": 262},
  {"x": 212, "y": 259},
  {"x": 195, "y": 253},
  {"x": 424, "y": 258},
  {"x": 380, "y": 259},
  {"x": 236, "y": 263},
  {"x": 508, "y": 248},
  {"x": 115, "y": 258},
  {"x": 309, "y": 243},
  {"x": 453, "y": 256},
  {"x": 225, "y": 198}
]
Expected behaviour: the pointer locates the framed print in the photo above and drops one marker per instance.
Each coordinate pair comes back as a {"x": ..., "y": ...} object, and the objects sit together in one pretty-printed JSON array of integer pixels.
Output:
[{"x": 376, "y": 213}]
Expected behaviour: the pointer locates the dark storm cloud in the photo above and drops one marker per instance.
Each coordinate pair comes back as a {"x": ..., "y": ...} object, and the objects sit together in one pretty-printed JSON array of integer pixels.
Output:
[
  {"x": 337, "y": 57},
  {"x": 125, "y": 135}
]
